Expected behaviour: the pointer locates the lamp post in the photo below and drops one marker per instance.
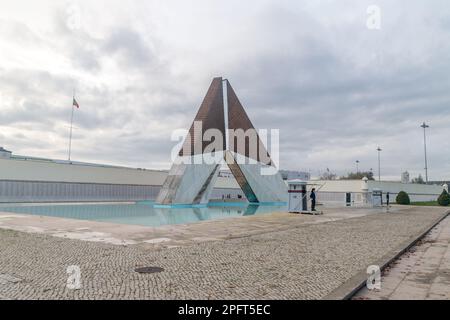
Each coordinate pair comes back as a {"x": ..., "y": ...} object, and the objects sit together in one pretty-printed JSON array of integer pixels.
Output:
[
  {"x": 379, "y": 163},
  {"x": 357, "y": 166},
  {"x": 425, "y": 126}
]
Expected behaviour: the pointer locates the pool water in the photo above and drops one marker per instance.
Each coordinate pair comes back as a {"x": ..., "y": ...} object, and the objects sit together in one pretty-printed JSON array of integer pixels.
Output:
[{"x": 144, "y": 213}]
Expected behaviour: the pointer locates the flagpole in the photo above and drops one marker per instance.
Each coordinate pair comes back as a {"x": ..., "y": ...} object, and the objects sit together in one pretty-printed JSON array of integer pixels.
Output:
[{"x": 71, "y": 125}]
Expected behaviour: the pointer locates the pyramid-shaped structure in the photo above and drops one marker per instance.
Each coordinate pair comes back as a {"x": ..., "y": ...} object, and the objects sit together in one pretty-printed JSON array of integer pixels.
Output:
[
  {"x": 191, "y": 182},
  {"x": 238, "y": 119},
  {"x": 211, "y": 115}
]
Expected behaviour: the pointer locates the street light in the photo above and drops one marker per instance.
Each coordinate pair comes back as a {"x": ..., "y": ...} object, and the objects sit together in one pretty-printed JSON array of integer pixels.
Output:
[
  {"x": 357, "y": 166},
  {"x": 425, "y": 126},
  {"x": 379, "y": 163}
]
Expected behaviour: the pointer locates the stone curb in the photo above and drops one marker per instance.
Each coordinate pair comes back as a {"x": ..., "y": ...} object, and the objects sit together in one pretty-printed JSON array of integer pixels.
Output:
[{"x": 347, "y": 290}]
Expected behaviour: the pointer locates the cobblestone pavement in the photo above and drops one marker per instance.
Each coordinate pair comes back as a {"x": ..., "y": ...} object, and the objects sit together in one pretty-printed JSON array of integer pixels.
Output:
[
  {"x": 421, "y": 273},
  {"x": 305, "y": 262}
]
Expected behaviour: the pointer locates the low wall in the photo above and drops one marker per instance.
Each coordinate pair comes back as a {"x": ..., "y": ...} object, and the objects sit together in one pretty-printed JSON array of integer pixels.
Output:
[
  {"x": 45, "y": 191},
  {"x": 53, "y": 171},
  {"x": 335, "y": 192},
  {"x": 33, "y": 191},
  {"x": 45, "y": 180},
  {"x": 417, "y": 192}
]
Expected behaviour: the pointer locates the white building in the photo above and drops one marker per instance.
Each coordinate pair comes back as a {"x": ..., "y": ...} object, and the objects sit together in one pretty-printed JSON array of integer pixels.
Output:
[
  {"x": 358, "y": 192},
  {"x": 295, "y": 175},
  {"x": 5, "y": 154}
]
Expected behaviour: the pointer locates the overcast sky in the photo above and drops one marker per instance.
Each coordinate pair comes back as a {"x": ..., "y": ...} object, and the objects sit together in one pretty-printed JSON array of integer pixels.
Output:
[{"x": 313, "y": 69}]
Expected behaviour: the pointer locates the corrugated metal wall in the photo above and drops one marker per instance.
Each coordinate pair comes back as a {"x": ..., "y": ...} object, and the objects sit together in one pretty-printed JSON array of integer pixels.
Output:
[{"x": 33, "y": 191}]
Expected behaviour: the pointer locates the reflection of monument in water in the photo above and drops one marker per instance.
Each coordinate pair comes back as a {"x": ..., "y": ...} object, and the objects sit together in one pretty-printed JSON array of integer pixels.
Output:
[
  {"x": 144, "y": 213},
  {"x": 191, "y": 178}
]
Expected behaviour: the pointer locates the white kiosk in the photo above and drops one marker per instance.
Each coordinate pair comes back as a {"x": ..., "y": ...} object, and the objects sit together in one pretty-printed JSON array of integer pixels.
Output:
[
  {"x": 377, "y": 198},
  {"x": 298, "y": 197}
]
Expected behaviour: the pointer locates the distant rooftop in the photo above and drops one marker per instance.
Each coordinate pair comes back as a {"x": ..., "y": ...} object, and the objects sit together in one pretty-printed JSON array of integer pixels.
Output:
[{"x": 71, "y": 162}]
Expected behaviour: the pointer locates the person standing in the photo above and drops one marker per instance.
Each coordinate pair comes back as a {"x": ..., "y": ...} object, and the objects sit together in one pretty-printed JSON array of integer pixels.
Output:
[
  {"x": 387, "y": 199},
  {"x": 312, "y": 196}
]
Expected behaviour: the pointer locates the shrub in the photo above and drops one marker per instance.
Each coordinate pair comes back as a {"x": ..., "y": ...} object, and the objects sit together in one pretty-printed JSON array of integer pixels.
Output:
[
  {"x": 403, "y": 198},
  {"x": 444, "y": 199}
]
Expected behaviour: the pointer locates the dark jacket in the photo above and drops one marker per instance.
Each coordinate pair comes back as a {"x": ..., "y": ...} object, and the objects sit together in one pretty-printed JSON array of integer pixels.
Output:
[{"x": 313, "y": 196}]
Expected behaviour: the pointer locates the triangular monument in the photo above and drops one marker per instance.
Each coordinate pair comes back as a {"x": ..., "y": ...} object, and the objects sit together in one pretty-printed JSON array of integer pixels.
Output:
[{"x": 207, "y": 146}]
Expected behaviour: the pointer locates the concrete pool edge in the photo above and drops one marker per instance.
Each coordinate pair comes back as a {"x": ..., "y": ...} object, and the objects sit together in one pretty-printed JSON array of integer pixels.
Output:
[
  {"x": 223, "y": 204},
  {"x": 145, "y": 214},
  {"x": 353, "y": 285},
  {"x": 133, "y": 234},
  {"x": 178, "y": 235}
]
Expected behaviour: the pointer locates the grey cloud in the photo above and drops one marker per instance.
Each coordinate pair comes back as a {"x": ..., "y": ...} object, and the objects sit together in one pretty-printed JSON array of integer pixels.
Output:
[
  {"x": 130, "y": 46},
  {"x": 19, "y": 33},
  {"x": 335, "y": 89}
]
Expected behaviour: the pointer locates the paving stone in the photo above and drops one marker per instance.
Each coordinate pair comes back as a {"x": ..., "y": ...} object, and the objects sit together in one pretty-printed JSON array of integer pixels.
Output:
[
  {"x": 422, "y": 273},
  {"x": 302, "y": 262}
]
